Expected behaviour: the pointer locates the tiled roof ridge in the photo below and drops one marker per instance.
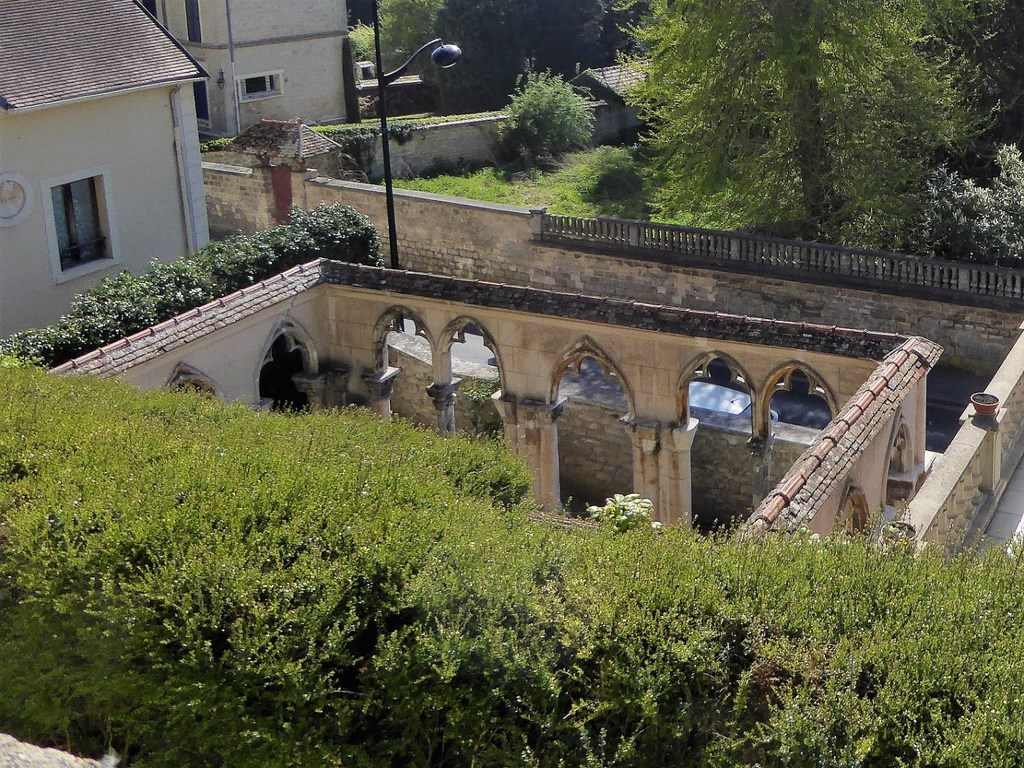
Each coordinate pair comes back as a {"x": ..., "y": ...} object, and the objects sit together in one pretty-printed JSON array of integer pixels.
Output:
[
  {"x": 195, "y": 323},
  {"x": 847, "y": 435}
]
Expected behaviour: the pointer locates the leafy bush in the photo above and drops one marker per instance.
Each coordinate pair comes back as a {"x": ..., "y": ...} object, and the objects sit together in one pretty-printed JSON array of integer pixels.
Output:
[
  {"x": 125, "y": 304},
  {"x": 968, "y": 222},
  {"x": 204, "y": 586},
  {"x": 216, "y": 145},
  {"x": 546, "y": 119},
  {"x": 624, "y": 512}
]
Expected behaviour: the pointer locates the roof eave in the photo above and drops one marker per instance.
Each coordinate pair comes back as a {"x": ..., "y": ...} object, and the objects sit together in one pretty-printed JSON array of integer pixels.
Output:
[{"x": 16, "y": 110}]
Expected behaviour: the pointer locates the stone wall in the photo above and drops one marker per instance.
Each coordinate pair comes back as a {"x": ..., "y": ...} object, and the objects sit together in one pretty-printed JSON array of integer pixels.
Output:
[
  {"x": 966, "y": 484},
  {"x": 239, "y": 200},
  {"x": 460, "y": 143},
  {"x": 492, "y": 242},
  {"x": 595, "y": 452}
]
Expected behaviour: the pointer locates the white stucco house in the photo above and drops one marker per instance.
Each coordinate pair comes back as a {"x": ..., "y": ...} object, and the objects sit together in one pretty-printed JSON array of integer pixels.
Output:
[
  {"x": 265, "y": 59},
  {"x": 99, "y": 151}
]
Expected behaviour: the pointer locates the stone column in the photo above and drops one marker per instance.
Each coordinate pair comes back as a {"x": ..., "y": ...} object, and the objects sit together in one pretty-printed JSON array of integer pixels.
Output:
[
  {"x": 336, "y": 388},
  {"x": 444, "y": 396},
  {"x": 312, "y": 385},
  {"x": 530, "y": 433},
  {"x": 646, "y": 434},
  {"x": 661, "y": 466},
  {"x": 675, "y": 494},
  {"x": 760, "y": 466},
  {"x": 379, "y": 386}
]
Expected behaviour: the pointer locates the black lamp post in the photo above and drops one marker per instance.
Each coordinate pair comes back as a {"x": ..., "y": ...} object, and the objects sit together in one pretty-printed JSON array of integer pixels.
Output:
[{"x": 444, "y": 56}]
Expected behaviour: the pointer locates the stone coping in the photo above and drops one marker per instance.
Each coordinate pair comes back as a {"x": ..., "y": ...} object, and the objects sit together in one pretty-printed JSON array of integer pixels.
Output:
[{"x": 430, "y": 197}]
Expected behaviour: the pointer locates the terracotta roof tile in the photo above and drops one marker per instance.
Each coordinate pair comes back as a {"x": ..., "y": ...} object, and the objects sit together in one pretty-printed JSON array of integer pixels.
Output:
[{"x": 55, "y": 51}]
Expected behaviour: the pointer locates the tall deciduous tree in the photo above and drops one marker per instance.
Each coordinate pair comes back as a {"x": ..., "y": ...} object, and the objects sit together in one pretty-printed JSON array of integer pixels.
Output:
[{"x": 816, "y": 118}]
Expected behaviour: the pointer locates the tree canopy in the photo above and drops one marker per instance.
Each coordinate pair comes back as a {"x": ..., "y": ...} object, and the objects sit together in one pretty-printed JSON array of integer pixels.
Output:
[{"x": 812, "y": 117}]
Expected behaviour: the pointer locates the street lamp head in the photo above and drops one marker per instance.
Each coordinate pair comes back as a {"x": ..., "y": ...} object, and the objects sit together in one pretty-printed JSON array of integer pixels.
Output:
[{"x": 446, "y": 56}]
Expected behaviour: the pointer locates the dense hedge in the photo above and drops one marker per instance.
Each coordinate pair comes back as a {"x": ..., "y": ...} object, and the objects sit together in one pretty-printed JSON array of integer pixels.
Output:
[
  {"x": 125, "y": 304},
  {"x": 206, "y": 586}
]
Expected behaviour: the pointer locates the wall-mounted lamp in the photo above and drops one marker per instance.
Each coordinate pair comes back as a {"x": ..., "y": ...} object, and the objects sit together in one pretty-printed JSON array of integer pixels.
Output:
[{"x": 220, "y": 79}]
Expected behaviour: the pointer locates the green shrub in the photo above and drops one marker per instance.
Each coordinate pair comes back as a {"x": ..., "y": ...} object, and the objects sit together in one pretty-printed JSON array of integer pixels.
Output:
[
  {"x": 125, "y": 304},
  {"x": 546, "y": 119},
  {"x": 216, "y": 145},
  {"x": 968, "y": 222},
  {"x": 205, "y": 586}
]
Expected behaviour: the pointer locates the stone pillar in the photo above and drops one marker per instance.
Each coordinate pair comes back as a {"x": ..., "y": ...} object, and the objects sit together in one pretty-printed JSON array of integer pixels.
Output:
[
  {"x": 537, "y": 222},
  {"x": 661, "y": 467},
  {"x": 675, "y": 498},
  {"x": 444, "y": 396},
  {"x": 646, "y": 435},
  {"x": 379, "y": 386},
  {"x": 760, "y": 466},
  {"x": 312, "y": 385},
  {"x": 336, "y": 388},
  {"x": 530, "y": 433}
]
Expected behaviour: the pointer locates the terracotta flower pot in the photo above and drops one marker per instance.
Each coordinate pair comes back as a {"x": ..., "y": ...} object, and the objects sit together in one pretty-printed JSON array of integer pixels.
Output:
[{"x": 984, "y": 403}]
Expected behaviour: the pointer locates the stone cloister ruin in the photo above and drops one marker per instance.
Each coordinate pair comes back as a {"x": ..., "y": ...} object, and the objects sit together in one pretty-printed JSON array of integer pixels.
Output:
[{"x": 332, "y": 322}]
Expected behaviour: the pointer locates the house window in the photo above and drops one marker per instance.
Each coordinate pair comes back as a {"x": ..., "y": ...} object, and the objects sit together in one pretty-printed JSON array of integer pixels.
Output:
[
  {"x": 195, "y": 30},
  {"x": 260, "y": 86},
  {"x": 78, "y": 222},
  {"x": 202, "y": 102},
  {"x": 150, "y": 6}
]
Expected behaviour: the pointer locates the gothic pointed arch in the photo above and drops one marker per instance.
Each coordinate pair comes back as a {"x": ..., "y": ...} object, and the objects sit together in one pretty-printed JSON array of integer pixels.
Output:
[
  {"x": 699, "y": 368},
  {"x": 573, "y": 358},
  {"x": 455, "y": 333},
  {"x": 289, "y": 351},
  {"x": 854, "y": 515},
  {"x": 901, "y": 448},
  {"x": 782, "y": 378},
  {"x": 391, "y": 320},
  {"x": 188, "y": 377}
]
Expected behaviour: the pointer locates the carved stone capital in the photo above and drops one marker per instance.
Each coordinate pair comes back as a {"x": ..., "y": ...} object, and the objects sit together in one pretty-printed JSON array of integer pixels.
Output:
[
  {"x": 515, "y": 411},
  {"x": 444, "y": 395},
  {"x": 646, "y": 433},
  {"x": 381, "y": 384}
]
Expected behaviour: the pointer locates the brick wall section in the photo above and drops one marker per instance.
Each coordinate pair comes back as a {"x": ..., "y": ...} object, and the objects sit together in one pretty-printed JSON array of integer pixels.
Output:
[
  {"x": 238, "y": 200},
  {"x": 490, "y": 242}
]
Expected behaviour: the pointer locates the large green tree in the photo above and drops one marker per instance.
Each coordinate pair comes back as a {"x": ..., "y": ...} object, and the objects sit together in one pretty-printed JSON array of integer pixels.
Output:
[{"x": 817, "y": 118}]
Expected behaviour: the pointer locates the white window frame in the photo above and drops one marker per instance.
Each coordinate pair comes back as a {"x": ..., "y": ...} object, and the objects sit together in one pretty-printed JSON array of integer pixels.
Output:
[
  {"x": 274, "y": 77},
  {"x": 105, "y": 213}
]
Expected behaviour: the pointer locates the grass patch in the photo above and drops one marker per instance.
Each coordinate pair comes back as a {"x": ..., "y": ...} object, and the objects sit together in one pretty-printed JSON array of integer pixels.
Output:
[{"x": 606, "y": 181}]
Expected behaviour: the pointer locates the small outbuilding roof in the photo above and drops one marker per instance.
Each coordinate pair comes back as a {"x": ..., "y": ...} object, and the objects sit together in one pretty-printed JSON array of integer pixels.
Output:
[
  {"x": 286, "y": 139},
  {"x": 615, "y": 80},
  {"x": 54, "y": 51}
]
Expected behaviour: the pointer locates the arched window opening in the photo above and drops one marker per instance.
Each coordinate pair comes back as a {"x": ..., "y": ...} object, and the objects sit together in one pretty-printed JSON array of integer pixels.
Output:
[
  {"x": 800, "y": 401},
  {"x": 185, "y": 378},
  {"x": 719, "y": 395},
  {"x": 284, "y": 359},
  {"x": 474, "y": 360},
  {"x": 403, "y": 341},
  {"x": 854, "y": 515},
  {"x": 595, "y": 449}
]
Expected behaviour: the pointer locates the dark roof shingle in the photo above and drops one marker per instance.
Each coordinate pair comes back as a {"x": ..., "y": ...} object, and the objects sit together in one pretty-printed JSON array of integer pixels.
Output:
[{"x": 53, "y": 51}]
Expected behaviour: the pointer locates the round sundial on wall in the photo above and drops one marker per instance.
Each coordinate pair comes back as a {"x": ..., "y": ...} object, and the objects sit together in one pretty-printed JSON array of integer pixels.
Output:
[{"x": 15, "y": 198}]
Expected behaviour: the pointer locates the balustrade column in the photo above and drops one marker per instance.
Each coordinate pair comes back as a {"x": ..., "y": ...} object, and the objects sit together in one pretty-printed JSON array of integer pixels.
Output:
[
  {"x": 379, "y": 386},
  {"x": 530, "y": 433},
  {"x": 444, "y": 396}
]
